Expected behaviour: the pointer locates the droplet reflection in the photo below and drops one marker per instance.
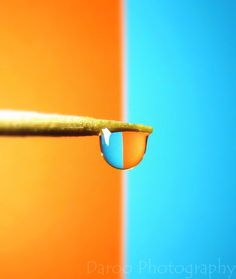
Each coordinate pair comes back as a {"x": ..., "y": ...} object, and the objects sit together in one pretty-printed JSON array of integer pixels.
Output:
[{"x": 123, "y": 150}]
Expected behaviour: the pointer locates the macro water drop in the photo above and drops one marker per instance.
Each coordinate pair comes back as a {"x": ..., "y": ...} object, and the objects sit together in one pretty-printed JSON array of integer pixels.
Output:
[{"x": 123, "y": 150}]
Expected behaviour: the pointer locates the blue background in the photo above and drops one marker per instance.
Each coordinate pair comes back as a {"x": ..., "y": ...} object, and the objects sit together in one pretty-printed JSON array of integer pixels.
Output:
[{"x": 181, "y": 78}]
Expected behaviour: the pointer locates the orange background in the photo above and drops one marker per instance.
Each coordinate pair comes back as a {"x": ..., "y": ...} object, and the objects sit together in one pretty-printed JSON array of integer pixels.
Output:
[{"x": 60, "y": 204}]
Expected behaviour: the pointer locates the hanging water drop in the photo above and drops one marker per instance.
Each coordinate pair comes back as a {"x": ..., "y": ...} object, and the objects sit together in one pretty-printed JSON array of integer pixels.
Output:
[{"x": 123, "y": 150}]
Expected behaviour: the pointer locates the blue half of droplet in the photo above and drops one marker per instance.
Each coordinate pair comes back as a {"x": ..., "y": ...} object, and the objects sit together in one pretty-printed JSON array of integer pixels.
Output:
[{"x": 113, "y": 149}]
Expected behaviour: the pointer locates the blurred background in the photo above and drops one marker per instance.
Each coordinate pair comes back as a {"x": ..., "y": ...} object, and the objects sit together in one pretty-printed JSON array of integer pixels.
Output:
[
  {"x": 59, "y": 202},
  {"x": 181, "y": 78},
  {"x": 171, "y": 64}
]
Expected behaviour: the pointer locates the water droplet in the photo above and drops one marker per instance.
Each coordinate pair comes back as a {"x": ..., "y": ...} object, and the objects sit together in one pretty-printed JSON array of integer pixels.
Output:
[{"x": 123, "y": 150}]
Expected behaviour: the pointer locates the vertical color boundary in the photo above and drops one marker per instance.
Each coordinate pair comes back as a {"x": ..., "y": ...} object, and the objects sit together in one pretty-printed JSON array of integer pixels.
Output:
[{"x": 124, "y": 105}]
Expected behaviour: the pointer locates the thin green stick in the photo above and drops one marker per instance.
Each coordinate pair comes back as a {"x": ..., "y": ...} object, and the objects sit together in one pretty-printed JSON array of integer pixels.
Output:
[{"x": 23, "y": 123}]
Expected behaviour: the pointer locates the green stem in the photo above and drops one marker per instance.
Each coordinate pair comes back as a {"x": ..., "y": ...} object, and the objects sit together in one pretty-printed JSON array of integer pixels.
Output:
[{"x": 23, "y": 123}]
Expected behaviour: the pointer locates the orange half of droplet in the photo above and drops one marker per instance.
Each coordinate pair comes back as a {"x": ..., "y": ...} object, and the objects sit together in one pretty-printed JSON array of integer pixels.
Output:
[{"x": 134, "y": 148}]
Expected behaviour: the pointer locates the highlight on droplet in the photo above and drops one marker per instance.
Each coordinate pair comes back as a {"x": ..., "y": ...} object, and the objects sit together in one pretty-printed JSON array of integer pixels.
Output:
[{"x": 123, "y": 150}]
